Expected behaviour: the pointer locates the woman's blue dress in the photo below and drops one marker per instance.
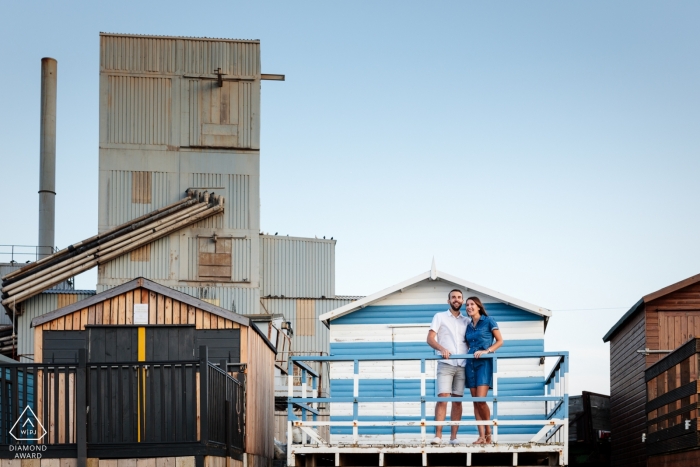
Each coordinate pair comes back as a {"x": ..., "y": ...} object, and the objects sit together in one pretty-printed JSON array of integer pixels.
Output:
[{"x": 479, "y": 371}]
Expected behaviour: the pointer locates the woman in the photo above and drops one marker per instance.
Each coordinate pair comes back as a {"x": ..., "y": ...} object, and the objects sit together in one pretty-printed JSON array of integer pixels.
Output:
[{"x": 480, "y": 335}]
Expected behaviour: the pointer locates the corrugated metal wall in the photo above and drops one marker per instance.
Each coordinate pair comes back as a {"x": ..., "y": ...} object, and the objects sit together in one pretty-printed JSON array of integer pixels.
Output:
[
  {"x": 297, "y": 267},
  {"x": 236, "y": 190},
  {"x": 140, "y": 110},
  {"x": 240, "y": 59},
  {"x": 37, "y": 306},
  {"x": 138, "y": 54},
  {"x": 186, "y": 55},
  {"x": 157, "y": 266},
  {"x": 315, "y": 339},
  {"x": 127, "y": 201}
]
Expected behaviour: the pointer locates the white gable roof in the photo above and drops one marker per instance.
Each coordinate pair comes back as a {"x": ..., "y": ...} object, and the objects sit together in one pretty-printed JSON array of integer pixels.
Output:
[{"x": 434, "y": 275}]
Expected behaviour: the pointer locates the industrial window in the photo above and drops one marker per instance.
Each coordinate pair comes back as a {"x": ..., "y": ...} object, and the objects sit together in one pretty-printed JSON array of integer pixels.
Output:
[{"x": 214, "y": 261}]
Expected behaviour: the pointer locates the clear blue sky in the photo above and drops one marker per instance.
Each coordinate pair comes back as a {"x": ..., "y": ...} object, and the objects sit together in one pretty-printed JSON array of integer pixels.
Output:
[{"x": 549, "y": 151}]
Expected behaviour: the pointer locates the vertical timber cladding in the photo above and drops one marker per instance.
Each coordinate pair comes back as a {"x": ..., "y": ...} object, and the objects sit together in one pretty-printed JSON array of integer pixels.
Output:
[
  {"x": 162, "y": 310},
  {"x": 672, "y": 320},
  {"x": 628, "y": 394}
]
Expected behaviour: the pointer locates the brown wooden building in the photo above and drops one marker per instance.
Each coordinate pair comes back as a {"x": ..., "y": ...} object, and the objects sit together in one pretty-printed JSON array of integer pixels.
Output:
[
  {"x": 656, "y": 325},
  {"x": 160, "y": 330}
]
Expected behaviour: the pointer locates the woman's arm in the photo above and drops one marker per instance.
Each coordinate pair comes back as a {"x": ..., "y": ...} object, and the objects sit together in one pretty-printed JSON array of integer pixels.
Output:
[{"x": 493, "y": 347}]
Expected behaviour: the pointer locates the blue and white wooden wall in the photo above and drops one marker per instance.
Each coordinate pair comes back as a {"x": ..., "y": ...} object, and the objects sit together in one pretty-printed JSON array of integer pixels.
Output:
[{"x": 398, "y": 324}]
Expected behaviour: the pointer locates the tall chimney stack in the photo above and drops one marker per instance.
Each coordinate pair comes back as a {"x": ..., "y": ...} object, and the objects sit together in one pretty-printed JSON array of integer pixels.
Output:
[{"x": 47, "y": 169}]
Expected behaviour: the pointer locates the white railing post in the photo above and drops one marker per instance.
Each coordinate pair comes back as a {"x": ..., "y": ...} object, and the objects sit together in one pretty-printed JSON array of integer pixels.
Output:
[
  {"x": 355, "y": 404},
  {"x": 494, "y": 421},
  {"x": 422, "y": 402}
]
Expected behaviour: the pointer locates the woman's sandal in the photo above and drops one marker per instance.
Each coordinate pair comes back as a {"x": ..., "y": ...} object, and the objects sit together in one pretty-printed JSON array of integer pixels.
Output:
[
  {"x": 487, "y": 439},
  {"x": 480, "y": 440}
]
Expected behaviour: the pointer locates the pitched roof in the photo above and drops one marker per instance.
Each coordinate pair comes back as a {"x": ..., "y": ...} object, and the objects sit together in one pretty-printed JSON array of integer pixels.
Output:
[
  {"x": 134, "y": 284},
  {"x": 434, "y": 274},
  {"x": 646, "y": 299}
]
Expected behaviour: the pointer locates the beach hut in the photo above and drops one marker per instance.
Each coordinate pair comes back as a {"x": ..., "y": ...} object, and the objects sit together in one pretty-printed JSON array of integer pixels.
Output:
[{"x": 378, "y": 349}]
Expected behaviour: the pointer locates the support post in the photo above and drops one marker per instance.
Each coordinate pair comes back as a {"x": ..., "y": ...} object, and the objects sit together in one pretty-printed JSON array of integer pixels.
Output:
[
  {"x": 203, "y": 394},
  {"x": 227, "y": 427},
  {"x": 81, "y": 408}
]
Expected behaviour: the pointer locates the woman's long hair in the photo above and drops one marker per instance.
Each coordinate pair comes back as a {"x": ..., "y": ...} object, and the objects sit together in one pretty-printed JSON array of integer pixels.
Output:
[{"x": 482, "y": 310}]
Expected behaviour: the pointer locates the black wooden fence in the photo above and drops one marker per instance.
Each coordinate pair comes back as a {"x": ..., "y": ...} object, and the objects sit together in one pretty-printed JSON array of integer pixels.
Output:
[{"x": 124, "y": 404}]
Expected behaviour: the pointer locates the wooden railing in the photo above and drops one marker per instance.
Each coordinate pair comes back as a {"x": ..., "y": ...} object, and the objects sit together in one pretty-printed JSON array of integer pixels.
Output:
[
  {"x": 672, "y": 401},
  {"x": 172, "y": 408}
]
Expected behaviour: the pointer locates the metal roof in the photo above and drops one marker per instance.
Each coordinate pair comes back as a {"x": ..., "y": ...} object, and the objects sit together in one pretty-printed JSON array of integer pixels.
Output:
[
  {"x": 434, "y": 274},
  {"x": 70, "y": 291},
  {"x": 646, "y": 299},
  {"x": 36, "y": 277},
  {"x": 189, "y": 38}
]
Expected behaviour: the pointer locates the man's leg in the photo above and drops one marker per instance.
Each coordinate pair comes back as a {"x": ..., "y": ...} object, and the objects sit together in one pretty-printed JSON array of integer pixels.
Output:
[
  {"x": 440, "y": 411},
  {"x": 445, "y": 374},
  {"x": 458, "y": 383},
  {"x": 455, "y": 416}
]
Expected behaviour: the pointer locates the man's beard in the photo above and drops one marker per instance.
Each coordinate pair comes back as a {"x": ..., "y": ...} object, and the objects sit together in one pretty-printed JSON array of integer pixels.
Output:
[{"x": 455, "y": 309}]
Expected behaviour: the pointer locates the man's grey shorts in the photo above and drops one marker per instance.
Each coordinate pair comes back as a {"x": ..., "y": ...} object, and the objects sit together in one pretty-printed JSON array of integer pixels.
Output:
[{"x": 450, "y": 379}]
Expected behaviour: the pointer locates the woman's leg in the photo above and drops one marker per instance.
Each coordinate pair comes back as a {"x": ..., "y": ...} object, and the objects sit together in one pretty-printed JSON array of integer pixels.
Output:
[
  {"x": 477, "y": 411},
  {"x": 483, "y": 408}
]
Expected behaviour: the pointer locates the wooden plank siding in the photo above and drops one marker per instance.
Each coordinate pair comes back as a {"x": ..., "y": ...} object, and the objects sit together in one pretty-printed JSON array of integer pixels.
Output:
[
  {"x": 628, "y": 394},
  {"x": 672, "y": 320},
  {"x": 120, "y": 310},
  {"x": 260, "y": 395},
  {"x": 676, "y": 459}
]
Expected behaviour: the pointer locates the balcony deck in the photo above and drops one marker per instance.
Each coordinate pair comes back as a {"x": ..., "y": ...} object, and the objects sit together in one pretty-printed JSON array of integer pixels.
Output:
[{"x": 388, "y": 439}]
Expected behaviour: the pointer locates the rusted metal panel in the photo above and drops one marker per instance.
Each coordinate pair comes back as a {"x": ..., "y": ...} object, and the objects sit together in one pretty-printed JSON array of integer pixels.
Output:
[
  {"x": 141, "y": 190},
  {"x": 297, "y": 267},
  {"x": 139, "y": 110}
]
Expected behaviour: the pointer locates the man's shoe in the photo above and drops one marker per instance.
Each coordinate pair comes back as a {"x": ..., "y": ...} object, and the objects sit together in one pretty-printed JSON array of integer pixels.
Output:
[
  {"x": 436, "y": 440},
  {"x": 454, "y": 441}
]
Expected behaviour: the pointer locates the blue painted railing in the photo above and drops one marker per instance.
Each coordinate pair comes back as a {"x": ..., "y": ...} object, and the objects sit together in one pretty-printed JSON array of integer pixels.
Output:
[{"x": 556, "y": 399}]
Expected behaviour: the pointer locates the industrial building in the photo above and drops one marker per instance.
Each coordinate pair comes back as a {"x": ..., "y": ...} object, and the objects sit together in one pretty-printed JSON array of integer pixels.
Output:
[{"x": 179, "y": 203}]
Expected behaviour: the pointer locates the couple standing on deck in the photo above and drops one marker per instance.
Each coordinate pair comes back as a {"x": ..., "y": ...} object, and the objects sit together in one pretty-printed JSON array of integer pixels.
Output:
[{"x": 452, "y": 333}]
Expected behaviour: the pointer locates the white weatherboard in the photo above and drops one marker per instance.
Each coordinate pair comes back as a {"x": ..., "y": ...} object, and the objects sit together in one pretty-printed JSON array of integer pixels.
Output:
[{"x": 140, "y": 313}]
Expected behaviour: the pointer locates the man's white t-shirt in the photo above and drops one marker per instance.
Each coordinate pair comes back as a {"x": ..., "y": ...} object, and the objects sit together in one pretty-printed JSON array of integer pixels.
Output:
[{"x": 451, "y": 331}]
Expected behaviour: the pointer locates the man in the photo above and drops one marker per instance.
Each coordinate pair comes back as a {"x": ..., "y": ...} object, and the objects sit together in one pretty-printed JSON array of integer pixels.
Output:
[{"x": 447, "y": 337}]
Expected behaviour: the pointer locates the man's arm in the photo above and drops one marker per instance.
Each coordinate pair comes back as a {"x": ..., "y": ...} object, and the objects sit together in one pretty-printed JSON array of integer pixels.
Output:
[{"x": 432, "y": 342}]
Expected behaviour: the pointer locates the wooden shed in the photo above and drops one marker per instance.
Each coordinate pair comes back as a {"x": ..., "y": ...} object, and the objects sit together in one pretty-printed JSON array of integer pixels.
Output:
[
  {"x": 142, "y": 321},
  {"x": 656, "y": 325}
]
